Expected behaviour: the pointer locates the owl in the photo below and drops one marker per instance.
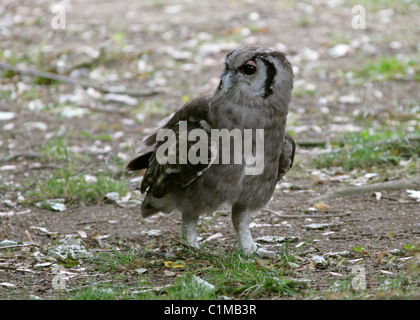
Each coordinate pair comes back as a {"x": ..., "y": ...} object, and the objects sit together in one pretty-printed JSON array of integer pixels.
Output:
[{"x": 223, "y": 151}]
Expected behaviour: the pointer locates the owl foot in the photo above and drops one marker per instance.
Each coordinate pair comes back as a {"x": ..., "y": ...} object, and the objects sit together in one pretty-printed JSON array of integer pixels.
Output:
[{"x": 265, "y": 253}]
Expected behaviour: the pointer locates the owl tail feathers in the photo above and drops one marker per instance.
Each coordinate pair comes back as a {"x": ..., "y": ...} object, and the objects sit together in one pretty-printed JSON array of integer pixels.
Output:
[
  {"x": 153, "y": 205},
  {"x": 147, "y": 212}
]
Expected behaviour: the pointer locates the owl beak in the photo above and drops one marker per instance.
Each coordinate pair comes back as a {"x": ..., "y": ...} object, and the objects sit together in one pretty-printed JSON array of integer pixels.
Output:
[{"x": 227, "y": 81}]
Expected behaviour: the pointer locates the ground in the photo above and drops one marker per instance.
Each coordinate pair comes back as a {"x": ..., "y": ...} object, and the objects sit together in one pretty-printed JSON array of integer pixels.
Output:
[{"x": 354, "y": 114}]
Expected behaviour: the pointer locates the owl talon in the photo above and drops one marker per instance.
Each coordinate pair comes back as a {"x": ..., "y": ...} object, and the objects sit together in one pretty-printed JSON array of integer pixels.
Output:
[{"x": 266, "y": 254}]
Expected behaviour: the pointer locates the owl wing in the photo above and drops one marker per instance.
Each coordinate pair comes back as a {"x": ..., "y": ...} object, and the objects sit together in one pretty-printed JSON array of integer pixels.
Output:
[
  {"x": 161, "y": 178},
  {"x": 287, "y": 156}
]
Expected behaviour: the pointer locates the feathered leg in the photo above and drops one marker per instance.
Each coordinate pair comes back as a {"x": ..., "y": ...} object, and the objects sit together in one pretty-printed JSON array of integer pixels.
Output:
[
  {"x": 241, "y": 219},
  {"x": 189, "y": 229}
]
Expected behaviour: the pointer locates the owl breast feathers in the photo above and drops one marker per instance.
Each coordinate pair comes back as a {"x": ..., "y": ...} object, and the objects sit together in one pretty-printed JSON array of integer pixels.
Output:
[{"x": 227, "y": 150}]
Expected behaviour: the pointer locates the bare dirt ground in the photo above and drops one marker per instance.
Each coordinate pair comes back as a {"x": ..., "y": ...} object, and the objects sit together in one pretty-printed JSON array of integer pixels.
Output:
[{"x": 177, "y": 50}]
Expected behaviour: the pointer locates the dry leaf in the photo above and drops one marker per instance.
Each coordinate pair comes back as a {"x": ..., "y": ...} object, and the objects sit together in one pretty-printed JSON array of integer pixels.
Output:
[
  {"x": 321, "y": 206},
  {"x": 7, "y": 284},
  {"x": 141, "y": 270},
  {"x": 169, "y": 273},
  {"x": 4, "y": 115},
  {"x": 391, "y": 260},
  {"x": 44, "y": 230},
  {"x": 381, "y": 256},
  {"x": 82, "y": 234},
  {"x": 414, "y": 194},
  {"x": 174, "y": 264},
  {"x": 100, "y": 237},
  {"x": 317, "y": 225},
  {"x": 168, "y": 264}
]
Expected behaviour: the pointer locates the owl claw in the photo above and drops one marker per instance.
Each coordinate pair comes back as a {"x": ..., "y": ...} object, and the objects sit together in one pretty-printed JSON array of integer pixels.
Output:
[{"x": 265, "y": 253}]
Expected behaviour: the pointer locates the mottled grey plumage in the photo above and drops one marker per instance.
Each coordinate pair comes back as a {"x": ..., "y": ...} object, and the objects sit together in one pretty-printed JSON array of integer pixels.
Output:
[{"x": 254, "y": 93}]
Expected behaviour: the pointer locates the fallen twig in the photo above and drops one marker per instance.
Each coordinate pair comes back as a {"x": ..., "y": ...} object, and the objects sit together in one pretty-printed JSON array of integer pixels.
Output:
[
  {"x": 404, "y": 202},
  {"x": 43, "y": 166},
  {"x": 21, "y": 246},
  {"x": 8, "y": 267},
  {"x": 30, "y": 155},
  {"x": 382, "y": 186},
  {"x": 307, "y": 210},
  {"x": 371, "y": 235},
  {"x": 414, "y": 141},
  {"x": 194, "y": 248},
  {"x": 91, "y": 222},
  {"x": 311, "y": 143},
  {"x": 292, "y": 216},
  {"x": 83, "y": 84},
  {"x": 88, "y": 285}
]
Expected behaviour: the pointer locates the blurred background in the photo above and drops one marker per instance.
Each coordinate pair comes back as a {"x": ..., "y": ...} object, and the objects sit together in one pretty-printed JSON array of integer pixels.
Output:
[{"x": 156, "y": 55}]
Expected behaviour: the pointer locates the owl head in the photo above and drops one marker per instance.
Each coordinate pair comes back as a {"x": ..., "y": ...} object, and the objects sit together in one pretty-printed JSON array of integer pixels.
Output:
[{"x": 256, "y": 75}]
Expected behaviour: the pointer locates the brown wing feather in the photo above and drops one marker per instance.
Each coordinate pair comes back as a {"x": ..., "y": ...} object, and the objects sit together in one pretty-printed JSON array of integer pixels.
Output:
[
  {"x": 160, "y": 179},
  {"x": 287, "y": 156}
]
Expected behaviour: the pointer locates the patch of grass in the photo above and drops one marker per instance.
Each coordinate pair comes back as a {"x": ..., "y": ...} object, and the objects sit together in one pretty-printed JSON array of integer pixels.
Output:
[
  {"x": 367, "y": 149},
  {"x": 190, "y": 287},
  {"x": 126, "y": 283},
  {"x": 338, "y": 38},
  {"x": 120, "y": 39},
  {"x": 376, "y": 5},
  {"x": 5, "y": 94},
  {"x": 249, "y": 277},
  {"x": 76, "y": 179},
  {"x": 152, "y": 107},
  {"x": 288, "y": 257},
  {"x": 303, "y": 91},
  {"x": 399, "y": 286},
  {"x": 104, "y": 137},
  {"x": 56, "y": 150},
  {"x": 392, "y": 283},
  {"x": 341, "y": 285},
  {"x": 71, "y": 185},
  {"x": 118, "y": 261},
  {"x": 206, "y": 276},
  {"x": 305, "y": 20},
  {"x": 390, "y": 68},
  {"x": 208, "y": 220},
  {"x": 111, "y": 291},
  {"x": 31, "y": 94},
  {"x": 226, "y": 274},
  {"x": 232, "y": 273},
  {"x": 97, "y": 292}
]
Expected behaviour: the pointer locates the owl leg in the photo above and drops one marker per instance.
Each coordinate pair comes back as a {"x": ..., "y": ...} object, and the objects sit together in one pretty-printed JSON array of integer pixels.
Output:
[
  {"x": 241, "y": 219},
  {"x": 189, "y": 229}
]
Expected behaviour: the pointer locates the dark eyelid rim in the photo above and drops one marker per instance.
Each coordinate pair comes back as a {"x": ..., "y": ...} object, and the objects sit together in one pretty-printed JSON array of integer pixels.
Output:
[{"x": 244, "y": 66}]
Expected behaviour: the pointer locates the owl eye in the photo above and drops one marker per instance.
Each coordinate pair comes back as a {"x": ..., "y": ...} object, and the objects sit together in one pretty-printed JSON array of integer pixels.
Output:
[{"x": 249, "y": 68}]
